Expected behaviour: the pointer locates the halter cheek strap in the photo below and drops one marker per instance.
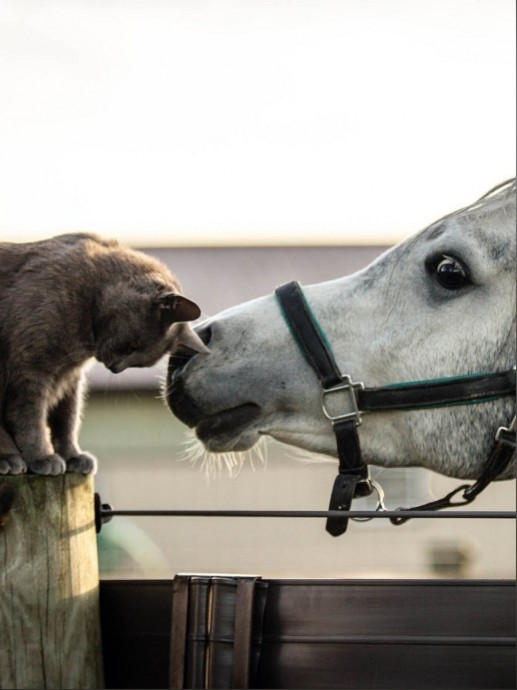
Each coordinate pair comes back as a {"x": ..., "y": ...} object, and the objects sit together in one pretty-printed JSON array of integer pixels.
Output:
[{"x": 353, "y": 479}]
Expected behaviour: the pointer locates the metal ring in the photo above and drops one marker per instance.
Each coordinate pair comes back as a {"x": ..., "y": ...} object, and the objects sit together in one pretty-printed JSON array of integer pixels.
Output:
[{"x": 380, "y": 507}]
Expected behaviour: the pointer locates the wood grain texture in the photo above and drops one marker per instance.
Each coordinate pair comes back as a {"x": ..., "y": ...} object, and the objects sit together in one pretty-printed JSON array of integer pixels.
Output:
[{"x": 49, "y": 586}]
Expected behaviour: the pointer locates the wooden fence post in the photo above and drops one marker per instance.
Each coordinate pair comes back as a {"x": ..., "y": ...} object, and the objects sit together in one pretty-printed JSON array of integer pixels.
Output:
[{"x": 49, "y": 585}]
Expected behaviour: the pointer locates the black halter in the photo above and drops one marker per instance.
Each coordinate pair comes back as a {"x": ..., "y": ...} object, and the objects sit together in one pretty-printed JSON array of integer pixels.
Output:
[{"x": 353, "y": 479}]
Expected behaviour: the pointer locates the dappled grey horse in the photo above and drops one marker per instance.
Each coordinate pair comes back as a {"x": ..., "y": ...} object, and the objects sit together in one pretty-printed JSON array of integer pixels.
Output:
[{"x": 436, "y": 307}]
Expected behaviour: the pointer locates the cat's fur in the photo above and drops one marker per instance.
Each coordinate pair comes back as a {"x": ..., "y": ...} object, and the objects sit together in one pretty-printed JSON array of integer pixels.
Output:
[{"x": 63, "y": 301}]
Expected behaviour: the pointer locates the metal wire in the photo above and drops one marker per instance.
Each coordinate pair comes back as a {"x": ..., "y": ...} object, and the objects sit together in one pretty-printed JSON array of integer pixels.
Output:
[{"x": 108, "y": 513}]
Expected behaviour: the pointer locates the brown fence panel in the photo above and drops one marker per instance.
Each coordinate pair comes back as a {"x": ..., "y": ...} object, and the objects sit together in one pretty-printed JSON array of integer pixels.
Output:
[{"x": 361, "y": 634}]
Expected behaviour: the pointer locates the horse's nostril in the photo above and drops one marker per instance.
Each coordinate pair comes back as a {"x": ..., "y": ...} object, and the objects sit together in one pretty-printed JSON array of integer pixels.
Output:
[
  {"x": 205, "y": 333},
  {"x": 176, "y": 364}
]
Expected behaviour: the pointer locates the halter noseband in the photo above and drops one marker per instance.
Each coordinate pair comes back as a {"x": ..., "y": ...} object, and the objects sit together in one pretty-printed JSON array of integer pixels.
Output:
[{"x": 353, "y": 480}]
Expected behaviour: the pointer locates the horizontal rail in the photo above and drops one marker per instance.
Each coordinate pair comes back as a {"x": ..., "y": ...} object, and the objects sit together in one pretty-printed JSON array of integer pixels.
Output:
[
  {"x": 107, "y": 513},
  {"x": 477, "y": 640}
]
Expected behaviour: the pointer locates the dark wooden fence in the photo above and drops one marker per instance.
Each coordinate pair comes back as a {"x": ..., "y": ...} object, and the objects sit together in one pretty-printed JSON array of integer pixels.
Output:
[{"x": 375, "y": 634}]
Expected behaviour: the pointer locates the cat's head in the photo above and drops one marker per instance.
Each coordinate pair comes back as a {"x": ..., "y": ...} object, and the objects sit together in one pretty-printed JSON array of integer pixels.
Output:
[{"x": 136, "y": 327}]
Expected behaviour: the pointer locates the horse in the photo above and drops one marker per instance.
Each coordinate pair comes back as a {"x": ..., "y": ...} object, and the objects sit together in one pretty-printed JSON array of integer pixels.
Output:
[{"x": 437, "y": 309}]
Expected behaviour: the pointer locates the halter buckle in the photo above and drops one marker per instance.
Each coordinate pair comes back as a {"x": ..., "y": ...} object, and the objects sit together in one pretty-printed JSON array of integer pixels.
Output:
[
  {"x": 505, "y": 435},
  {"x": 348, "y": 387}
]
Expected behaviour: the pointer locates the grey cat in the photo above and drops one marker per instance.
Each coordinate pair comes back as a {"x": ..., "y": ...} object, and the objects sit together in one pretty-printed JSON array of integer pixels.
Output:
[{"x": 63, "y": 301}]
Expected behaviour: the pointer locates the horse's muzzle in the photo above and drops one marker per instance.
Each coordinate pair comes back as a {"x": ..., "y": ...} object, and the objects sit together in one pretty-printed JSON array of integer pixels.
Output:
[
  {"x": 177, "y": 399},
  {"x": 217, "y": 429}
]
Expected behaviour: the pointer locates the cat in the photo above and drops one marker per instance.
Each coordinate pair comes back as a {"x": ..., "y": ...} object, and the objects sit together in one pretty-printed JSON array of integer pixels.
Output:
[{"x": 63, "y": 301}]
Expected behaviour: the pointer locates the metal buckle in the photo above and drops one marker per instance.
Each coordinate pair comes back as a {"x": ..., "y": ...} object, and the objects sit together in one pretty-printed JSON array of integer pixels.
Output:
[
  {"x": 349, "y": 387},
  {"x": 499, "y": 434}
]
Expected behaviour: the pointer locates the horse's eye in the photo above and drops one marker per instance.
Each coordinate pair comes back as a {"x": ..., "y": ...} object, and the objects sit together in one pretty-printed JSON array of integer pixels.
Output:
[{"x": 450, "y": 273}]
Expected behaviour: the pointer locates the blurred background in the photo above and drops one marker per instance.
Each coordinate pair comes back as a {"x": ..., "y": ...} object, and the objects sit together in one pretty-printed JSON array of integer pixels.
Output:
[{"x": 245, "y": 144}]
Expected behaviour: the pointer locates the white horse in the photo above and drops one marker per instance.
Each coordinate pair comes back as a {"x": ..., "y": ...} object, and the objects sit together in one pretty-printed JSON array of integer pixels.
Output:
[{"x": 440, "y": 304}]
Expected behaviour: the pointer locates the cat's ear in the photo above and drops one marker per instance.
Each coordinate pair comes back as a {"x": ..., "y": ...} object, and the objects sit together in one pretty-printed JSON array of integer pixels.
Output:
[
  {"x": 186, "y": 342},
  {"x": 174, "y": 307}
]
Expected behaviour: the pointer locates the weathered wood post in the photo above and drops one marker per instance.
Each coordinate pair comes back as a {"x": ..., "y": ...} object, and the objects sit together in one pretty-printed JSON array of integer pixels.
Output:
[{"x": 49, "y": 585}]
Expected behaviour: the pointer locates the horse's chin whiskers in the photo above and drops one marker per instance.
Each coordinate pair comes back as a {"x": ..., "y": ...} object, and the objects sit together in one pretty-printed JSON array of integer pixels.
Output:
[
  {"x": 308, "y": 456},
  {"x": 213, "y": 464}
]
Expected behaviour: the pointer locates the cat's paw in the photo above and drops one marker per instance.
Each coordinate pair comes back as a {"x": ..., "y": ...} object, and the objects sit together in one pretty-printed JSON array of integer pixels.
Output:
[
  {"x": 49, "y": 465},
  {"x": 84, "y": 463},
  {"x": 12, "y": 464}
]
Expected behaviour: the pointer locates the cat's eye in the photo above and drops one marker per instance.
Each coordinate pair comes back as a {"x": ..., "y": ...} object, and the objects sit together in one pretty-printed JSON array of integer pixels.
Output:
[
  {"x": 130, "y": 348},
  {"x": 449, "y": 272}
]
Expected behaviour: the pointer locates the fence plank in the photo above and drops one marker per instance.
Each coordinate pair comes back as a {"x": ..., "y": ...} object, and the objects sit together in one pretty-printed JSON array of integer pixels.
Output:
[{"x": 425, "y": 634}]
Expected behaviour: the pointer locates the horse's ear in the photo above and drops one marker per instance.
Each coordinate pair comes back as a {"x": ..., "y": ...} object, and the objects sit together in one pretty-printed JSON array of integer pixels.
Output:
[{"x": 174, "y": 307}]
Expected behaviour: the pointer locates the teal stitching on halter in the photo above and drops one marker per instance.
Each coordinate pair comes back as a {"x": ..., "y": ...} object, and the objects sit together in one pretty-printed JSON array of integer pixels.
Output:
[
  {"x": 314, "y": 320},
  {"x": 445, "y": 379},
  {"x": 458, "y": 403},
  {"x": 402, "y": 384}
]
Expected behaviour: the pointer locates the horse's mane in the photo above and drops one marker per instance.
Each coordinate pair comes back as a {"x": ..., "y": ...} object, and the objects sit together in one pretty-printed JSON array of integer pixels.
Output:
[
  {"x": 502, "y": 189},
  {"x": 498, "y": 197},
  {"x": 501, "y": 194}
]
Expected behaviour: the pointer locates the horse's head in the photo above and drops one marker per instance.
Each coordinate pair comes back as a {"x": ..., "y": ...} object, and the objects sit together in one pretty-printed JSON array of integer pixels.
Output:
[{"x": 440, "y": 304}]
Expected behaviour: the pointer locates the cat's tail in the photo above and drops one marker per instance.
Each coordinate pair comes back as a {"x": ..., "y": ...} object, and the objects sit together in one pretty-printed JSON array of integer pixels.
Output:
[{"x": 7, "y": 494}]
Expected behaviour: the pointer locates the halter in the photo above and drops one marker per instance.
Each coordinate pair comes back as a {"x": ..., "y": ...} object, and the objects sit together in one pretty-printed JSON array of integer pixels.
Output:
[{"x": 353, "y": 480}]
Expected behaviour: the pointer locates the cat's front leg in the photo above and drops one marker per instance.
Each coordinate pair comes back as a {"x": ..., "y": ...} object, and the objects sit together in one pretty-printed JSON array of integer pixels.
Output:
[
  {"x": 25, "y": 414},
  {"x": 11, "y": 461},
  {"x": 63, "y": 421}
]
